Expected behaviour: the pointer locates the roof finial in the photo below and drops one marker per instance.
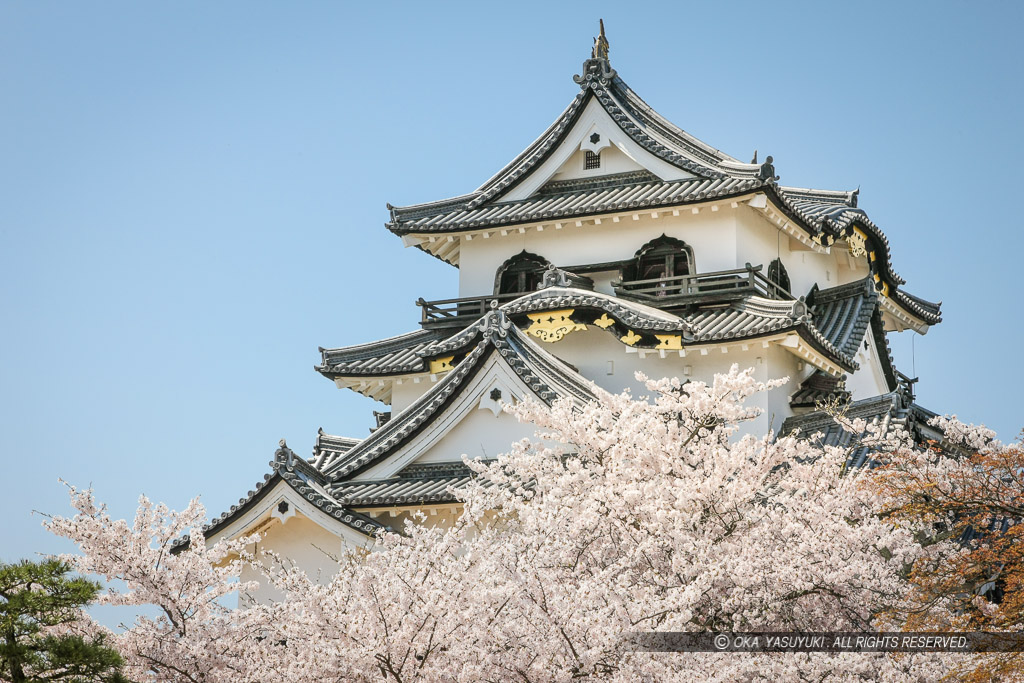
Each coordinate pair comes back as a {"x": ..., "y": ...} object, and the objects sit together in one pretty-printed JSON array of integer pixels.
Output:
[
  {"x": 285, "y": 452},
  {"x": 754, "y": 160},
  {"x": 597, "y": 71},
  {"x": 600, "y": 50},
  {"x": 767, "y": 171}
]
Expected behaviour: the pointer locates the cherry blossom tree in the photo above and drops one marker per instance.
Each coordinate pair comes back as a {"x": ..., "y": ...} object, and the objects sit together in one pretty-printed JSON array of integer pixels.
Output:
[
  {"x": 623, "y": 516},
  {"x": 194, "y": 636}
]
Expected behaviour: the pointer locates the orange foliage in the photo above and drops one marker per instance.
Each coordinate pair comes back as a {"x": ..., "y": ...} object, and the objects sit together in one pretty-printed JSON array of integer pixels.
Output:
[{"x": 967, "y": 507}]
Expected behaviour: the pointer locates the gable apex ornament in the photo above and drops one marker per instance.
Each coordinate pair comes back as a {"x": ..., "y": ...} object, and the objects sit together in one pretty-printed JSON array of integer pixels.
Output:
[
  {"x": 601, "y": 46},
  {"x": 597, "y": 71}
]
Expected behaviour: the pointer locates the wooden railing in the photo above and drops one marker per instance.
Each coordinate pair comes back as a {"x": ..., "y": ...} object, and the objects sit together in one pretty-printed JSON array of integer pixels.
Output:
[
  {"x": 724, "y": 285},
  {"x": 458, "y": 312},
  {"x": 702, "y": 287}
]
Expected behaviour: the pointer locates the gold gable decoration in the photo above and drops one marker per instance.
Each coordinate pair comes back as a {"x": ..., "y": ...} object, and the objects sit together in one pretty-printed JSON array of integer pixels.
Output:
[
  {"x": 858, "y": 243},
  {"x": 439, "y": 365},
  {"x": 669, "y": 341},
  {"x": 552, "y": 326},
  {"x": 631, "y": 338},
  {"x": 604, "y": 322}
]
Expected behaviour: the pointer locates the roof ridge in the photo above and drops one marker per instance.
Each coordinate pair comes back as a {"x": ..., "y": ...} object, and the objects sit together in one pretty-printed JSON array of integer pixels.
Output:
[
  {"x": 848, "y": 197},
  {"x": 845, "y": 290},
  {"x": 573, "y": 185}
]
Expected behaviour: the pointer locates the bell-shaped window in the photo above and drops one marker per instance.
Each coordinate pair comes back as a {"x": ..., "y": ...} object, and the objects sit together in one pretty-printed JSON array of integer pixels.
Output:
[
  {"x": 520, "y": 274},
  {"x": 664, "y": 257}
]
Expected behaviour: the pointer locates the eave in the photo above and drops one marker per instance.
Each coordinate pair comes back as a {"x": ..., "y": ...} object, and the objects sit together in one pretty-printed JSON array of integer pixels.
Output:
[{"x": 636, "y": 326}]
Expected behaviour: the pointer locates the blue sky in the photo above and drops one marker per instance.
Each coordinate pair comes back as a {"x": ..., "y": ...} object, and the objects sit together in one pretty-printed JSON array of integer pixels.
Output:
[{"x": 194, "y": 198}]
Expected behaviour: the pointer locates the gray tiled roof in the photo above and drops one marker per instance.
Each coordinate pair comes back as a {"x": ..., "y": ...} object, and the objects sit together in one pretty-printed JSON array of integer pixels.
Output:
[
  {"x": 306, "y": 481},
  {"x": 395, "y": 355},
  {"x": 328, "y": 449},
  {"x": 829, "y": 213},
  {"x": 819, "y": 386},
  {"x": 548, "y": 377},
  {"x": 635, "y": 315},
  {"x": 843, "y": 313},
  {"x": 634, "y": 117},
  {"x": 877, "y": 329},
  {"x": 745, "y": 319},
  {"x": 825, "y": 215},
  {"x": 927, "y": 311},
  {"x": 893, "y": 410},
  {"x": 408, "y": 353},
  {"x": 888, "y": 410},
  {"x": 421, "y": 488},
  {"x": 584, "y": 202}
]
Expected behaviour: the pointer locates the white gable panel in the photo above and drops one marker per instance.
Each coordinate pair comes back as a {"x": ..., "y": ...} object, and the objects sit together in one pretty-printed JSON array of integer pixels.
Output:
[
  {"x": 613, "y": 160},
  {"x": 868, "y": 380},
  {"x": 446, "y": 439},
  {"x": 594, "y": 119}
]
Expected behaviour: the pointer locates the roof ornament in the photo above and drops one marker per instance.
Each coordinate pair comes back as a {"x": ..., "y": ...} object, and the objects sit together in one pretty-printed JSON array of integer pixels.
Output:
[
  {"x": 601, "y": 46},
  {"x": 801, "y": 309},
  {"x": 284, "y": 452},
  {"x": 767, "y": 171},
  {"x": 495, "y": 323},
  {"x": 555, "y": 277},
  {"x": 754, "y": 160},
  {"x": 597, "y": 71}
]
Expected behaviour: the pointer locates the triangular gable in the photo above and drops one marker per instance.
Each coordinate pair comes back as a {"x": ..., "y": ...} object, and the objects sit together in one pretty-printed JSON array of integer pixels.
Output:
[
  {"x": 596, "y": 132},
  {"x": 471, "y": 424},
  {"x": 302, "y": 487},
  {"x": 608, "y": 107},
  {"x": 503, "y": 357}
]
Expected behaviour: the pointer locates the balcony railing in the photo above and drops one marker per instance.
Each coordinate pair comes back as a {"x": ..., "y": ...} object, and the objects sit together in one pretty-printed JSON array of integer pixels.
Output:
[
  {"x": 666, "y": 292},
  {"x": 723, "y": 285},
  {"x": 458, "y": 312}
]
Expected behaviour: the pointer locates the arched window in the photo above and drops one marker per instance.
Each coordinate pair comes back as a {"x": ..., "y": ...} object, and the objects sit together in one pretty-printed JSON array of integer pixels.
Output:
[
  {"x": 777, "y": 274},
  {"x": 660, "y": 258},
  {"x": 520, "y": 274}
]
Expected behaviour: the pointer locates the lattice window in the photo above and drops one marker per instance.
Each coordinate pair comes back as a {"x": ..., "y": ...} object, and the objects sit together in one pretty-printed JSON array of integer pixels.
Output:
[{"x": 592, "y": 160}]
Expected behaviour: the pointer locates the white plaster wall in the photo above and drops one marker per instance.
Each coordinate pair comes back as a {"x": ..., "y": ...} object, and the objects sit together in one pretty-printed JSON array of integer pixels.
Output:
[
  {"x": 480, "y": 434},
  {"x": 721, "y": 240},
  {"x": 712, "y": 235},
  {"x": 591, "y": 351},
  {"x": 759, "y": 242},
  {"x": 868, "y": 380},
  {"x": 603, "y": 281},
  {"x": 405, "y": 394},
  {"x": 300, "y": 541}
]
